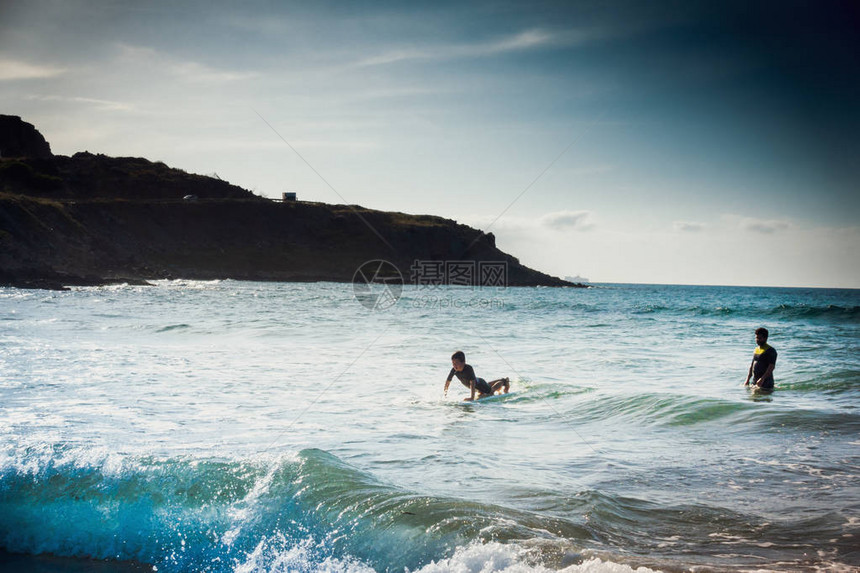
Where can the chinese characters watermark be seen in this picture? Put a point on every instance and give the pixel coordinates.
(431, 273)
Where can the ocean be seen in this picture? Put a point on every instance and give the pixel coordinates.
(230, 426)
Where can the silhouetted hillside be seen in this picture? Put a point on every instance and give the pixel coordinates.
(90, 219)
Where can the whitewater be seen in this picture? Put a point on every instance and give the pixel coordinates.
(230, 426)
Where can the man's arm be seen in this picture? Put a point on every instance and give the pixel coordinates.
(749, 374)
(766, 374)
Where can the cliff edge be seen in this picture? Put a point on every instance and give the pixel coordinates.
(93, 219)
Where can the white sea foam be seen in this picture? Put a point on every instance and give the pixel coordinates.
(242, 512)
(280, 555)
(188, 283)
(500, 558)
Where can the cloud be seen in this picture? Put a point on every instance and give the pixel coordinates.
(526, 40)
(732, 223)
(100, 104)
(191, 71)
(529, 226)
(567, 220)
(688, 226)
(18, 70)
(763, 226)
(196, 72)
(522, 41)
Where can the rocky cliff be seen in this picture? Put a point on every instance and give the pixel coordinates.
(21, 139)
(91, 219)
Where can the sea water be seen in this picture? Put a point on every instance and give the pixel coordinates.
(240, 426)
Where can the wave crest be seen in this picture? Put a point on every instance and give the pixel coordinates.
(299, 512)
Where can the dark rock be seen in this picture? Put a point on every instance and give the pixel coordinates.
(21, 139)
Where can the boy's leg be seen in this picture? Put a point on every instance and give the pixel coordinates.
(484, 388)
(501, 384)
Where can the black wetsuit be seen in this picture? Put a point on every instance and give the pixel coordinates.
(762, 358)
(466, 376)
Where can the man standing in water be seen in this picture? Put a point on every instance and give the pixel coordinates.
(466, 375)
(763, 362)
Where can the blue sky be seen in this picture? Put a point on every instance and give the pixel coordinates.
(668, 142)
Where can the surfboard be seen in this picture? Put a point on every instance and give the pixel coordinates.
(494, 398)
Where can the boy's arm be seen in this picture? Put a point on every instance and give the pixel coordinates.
(472, 388)
(448, 381)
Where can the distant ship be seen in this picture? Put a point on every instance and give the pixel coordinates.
(577, 280)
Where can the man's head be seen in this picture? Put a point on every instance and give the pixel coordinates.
(458, 360)
(761, 335)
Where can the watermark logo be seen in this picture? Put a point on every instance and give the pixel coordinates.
(377, 284)
(435, 302)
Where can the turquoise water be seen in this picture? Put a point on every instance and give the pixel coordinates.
(230, 426)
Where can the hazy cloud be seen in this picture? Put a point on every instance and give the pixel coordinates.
(766, 227)
(567, 220)
(506, 224)
(101, 104)
(186, 69)
(18, 70)
(688, 226)
(526, 40)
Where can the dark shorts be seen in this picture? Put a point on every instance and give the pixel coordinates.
(483, 387)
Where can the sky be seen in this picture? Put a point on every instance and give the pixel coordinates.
(651, 142)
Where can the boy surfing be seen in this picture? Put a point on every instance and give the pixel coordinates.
(478, 387)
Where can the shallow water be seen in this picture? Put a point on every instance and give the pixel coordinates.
(230, 426)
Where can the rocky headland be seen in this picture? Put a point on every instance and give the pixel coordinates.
(92, 219)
